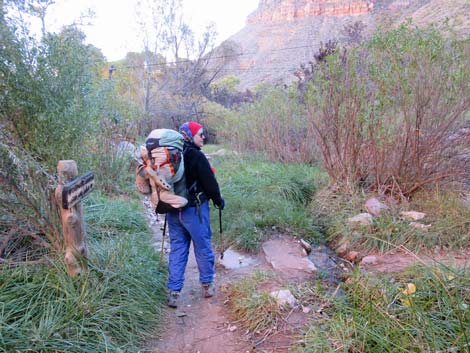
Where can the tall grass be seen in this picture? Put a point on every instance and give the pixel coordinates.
(263, 197)
(111, 308)
(381, 315)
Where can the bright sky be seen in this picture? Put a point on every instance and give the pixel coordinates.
(114, 28)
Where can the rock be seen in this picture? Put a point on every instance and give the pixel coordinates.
(352, 256)
(220, 152)
(374, 206)
(126, 149)
(418, 225)
(283, 297)
(286, 256)
(306, 246)
(363, 219)
(342, 246)
(369, 260)
(412, 215)
(290, 10)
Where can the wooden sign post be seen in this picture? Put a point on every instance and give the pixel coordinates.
(70, 191)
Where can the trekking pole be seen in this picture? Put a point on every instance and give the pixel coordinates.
(220, 233)
(163, 239)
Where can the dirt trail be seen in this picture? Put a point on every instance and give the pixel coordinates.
(199, 324)
(202, 325)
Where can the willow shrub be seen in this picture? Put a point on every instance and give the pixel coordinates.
(274, 125)
(389, 115)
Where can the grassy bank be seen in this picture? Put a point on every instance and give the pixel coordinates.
(422, 310)
(112, 308)
(262, 198)
(445, 226)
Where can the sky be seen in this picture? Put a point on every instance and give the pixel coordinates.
(114, 29)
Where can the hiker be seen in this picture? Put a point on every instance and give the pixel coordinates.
(192, 223)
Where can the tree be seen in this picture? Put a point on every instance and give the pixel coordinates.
(176, 87)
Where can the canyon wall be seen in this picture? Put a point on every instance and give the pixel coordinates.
(285, 10)
(280, 35)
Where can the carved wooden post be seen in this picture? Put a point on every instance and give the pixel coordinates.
(73, 228)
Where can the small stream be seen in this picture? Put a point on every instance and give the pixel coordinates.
(329, 265)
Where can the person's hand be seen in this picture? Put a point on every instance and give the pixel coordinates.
(221, 205)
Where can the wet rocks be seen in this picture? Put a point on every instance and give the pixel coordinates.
(286, 256)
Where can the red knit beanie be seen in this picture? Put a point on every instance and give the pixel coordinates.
(194, 127)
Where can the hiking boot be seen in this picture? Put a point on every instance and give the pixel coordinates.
(173, 299)
(208, 289)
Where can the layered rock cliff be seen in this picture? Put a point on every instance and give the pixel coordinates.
(285, 10)
(283, 34)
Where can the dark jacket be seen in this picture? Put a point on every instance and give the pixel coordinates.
(199, 175)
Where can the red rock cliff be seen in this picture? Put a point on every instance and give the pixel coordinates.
(273, 10)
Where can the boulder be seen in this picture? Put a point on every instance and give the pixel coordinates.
(285, 256)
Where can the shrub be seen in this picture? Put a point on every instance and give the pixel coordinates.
(389, 115)
(274, 125)
(29, 223)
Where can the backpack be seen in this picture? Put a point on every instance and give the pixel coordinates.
(162, 164)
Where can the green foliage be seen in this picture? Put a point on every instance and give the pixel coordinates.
(381, 315)
(28, 217)
(228, 83)
(113, 307)
(47, 96)
(261, 196)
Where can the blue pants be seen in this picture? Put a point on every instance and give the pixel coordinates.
(183, 227)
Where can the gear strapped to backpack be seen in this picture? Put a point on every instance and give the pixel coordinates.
(161, 170)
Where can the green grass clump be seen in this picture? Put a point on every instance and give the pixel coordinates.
(111, 308)
(262, 196)
(448, 215)
(105, 218)
(380, 315)
(254, 308)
